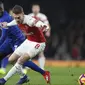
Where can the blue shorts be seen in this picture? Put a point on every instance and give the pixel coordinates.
(9, 46)
(5, 48)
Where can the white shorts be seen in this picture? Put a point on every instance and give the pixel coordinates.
(30, 47)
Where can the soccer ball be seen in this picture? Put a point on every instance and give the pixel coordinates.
(81, 79)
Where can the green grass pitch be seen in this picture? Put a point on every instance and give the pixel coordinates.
(59, 76)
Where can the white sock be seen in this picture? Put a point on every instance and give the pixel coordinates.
(41, 61)
(17, 68)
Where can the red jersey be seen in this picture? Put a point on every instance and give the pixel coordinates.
(34, 34)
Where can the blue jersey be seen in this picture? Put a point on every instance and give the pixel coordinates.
(12, 33)
(11, 36)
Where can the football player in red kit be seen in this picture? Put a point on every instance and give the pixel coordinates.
(33, 45)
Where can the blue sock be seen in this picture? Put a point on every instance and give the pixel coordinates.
(34, 67)
(0, 64)
(4, 62)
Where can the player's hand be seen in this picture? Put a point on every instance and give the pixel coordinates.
(45, 28)
(4, 24)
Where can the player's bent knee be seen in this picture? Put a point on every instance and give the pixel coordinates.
(10, 59)
(23, 58)
(13, 58)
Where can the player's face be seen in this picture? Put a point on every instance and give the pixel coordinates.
(19, 17)
(35, 9)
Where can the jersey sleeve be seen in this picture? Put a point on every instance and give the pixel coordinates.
(44, 19)
(33, 22)
(29, 20)
(12, 23)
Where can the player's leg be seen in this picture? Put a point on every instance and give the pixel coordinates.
(32, 49)
(19, 66)
(4, 64)
(11, 72)
(16, 68)
(1, 70)
(1, 55)
(25, 56)
(41, 60)
(35, 48)
(23, 59)
(4, 51)
(25, 68)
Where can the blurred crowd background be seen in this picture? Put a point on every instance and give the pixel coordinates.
(67, 20)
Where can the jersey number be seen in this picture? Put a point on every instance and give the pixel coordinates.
(37, 46)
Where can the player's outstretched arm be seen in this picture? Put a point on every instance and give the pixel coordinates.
(12, 23)
(34, 22)
(5, 24)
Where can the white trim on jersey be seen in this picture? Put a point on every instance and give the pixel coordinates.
(41, 16)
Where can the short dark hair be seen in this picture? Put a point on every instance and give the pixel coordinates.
(35, 4)
(17, 9)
